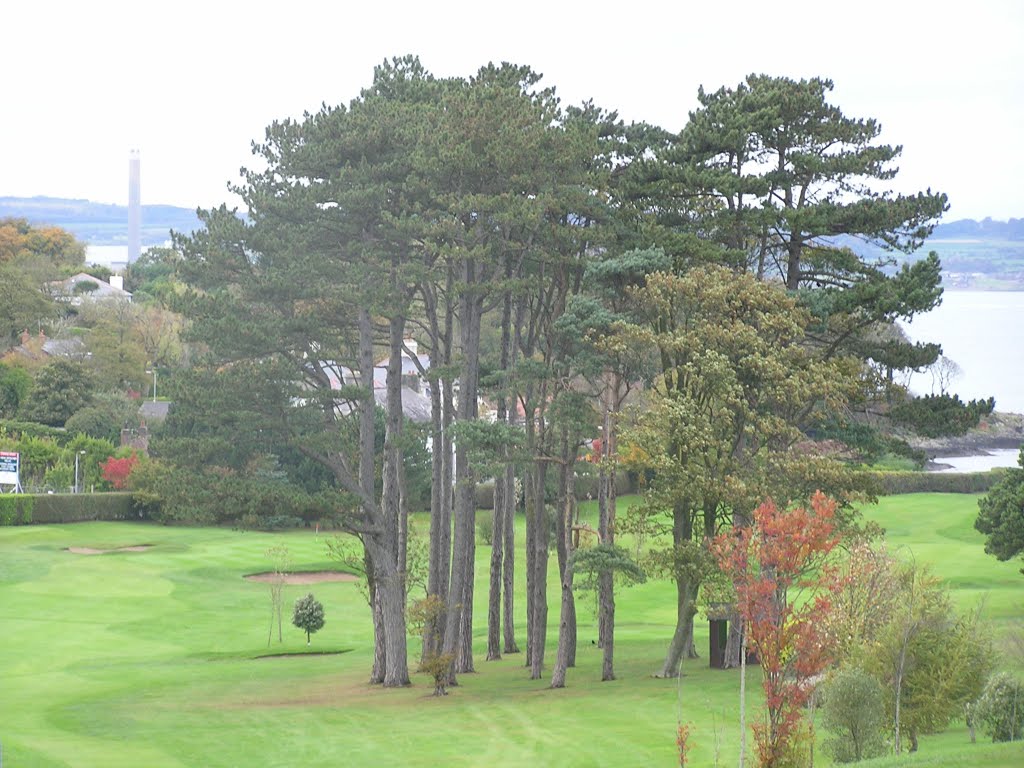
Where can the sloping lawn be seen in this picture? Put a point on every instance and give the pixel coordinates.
(151, 658)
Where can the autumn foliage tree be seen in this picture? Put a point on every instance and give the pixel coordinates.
(117, 471)
(783, 584)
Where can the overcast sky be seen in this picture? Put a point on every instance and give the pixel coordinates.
(192, 84)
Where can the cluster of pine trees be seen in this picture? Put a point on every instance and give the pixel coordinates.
(554, 261)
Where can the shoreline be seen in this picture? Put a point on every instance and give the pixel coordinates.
(999, 431)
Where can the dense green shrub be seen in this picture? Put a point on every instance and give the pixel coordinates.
(895, 483)
(941, 415)
(308, 615)
(485, 528)
(60, 389)
(1001, 513)
(27, 508)
(16, 509)
(14, 386)
(80, 507)
(1000, 710)
(867, 441)
(854, 710)
(15, 430)
(104, 418)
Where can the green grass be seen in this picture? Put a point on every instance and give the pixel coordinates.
(150, 659)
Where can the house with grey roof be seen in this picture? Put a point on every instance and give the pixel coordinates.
(85, 287)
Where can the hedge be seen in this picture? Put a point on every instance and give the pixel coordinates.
(32, 429)
(894, 483)
(25, 508)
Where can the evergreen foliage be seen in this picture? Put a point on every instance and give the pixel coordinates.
(941, 415)
(1001, 514)
(308, 615)
(60, 389)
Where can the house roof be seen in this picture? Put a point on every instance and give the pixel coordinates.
(154, 411)
(73, 348)
(104, 290)
(415, 405)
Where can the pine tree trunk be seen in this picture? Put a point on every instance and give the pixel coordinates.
(538, 589)
(390, 562)
(530, 494)
(508, 569)
(379, 650)
(497, 549)
(565, 656)
(606, 531)
(391, 589)
(441, 415)
(459, 623)
(440, 521)
(464, 652)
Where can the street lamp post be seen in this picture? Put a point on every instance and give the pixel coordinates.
(153, 371)
(77, 455)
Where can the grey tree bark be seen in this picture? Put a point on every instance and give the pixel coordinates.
(606, 498)
(686, 597)
(459, 620)
(565, 656)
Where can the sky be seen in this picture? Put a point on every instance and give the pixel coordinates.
(192, 84)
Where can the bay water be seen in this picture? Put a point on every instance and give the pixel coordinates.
(983, 333)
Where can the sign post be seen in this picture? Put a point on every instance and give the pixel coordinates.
(9, 465)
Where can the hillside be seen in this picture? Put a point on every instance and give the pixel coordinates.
(100, 223)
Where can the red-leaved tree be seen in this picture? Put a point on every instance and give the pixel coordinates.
(117, 471)
(783, 589)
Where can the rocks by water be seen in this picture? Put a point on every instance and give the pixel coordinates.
(996, 431)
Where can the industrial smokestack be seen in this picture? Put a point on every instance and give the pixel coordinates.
(134, 207)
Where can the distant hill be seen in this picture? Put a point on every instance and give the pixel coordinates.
(975, 254)
(984, 230)
(100, 223)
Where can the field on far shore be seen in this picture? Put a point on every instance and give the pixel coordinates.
(159, 657)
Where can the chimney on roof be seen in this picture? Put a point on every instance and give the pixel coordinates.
(117, 281)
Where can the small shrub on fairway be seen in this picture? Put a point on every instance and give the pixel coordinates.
(308, 615)
(1000, 710)
(854, 710)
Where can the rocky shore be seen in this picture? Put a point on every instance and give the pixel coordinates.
(999, 430)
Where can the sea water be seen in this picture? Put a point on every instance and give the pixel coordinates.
(983, 333)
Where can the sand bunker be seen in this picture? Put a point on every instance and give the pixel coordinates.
(91, 551)
(309, 577)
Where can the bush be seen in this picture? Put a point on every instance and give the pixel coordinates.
(20, 429)
(854, 710)
(895, 483)
(308, 615)
(1000, 710)
(16, 509)
(485, 528)
(941, 415)
(80, 507)
(869, 442)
